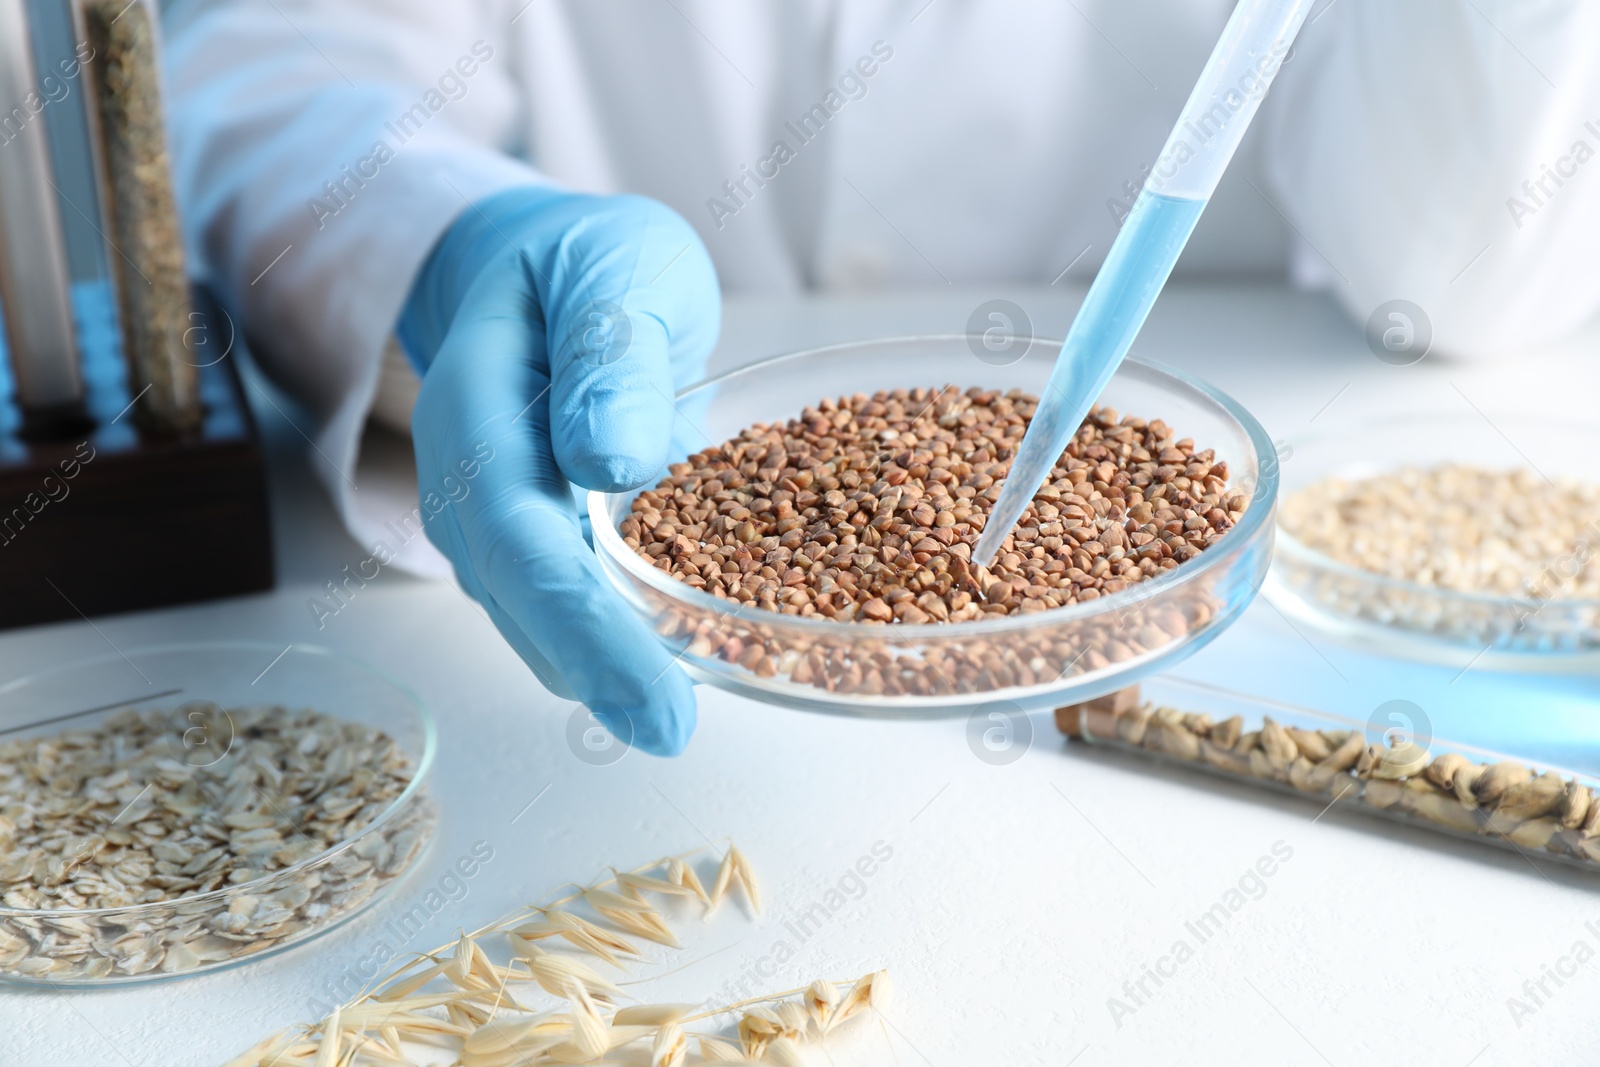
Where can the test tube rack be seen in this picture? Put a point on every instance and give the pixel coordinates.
(110, 502)
(116, 518)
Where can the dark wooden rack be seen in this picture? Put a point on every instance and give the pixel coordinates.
(143, 521)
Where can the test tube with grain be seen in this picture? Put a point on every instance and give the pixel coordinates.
(141, 212)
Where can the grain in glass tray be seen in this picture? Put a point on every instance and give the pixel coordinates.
(1030, 660)
(185, 808)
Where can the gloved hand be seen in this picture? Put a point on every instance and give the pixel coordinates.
(550, 327)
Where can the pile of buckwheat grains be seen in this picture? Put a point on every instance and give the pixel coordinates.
(866, 508)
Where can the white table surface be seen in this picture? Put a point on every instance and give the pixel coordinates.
(1019, 898)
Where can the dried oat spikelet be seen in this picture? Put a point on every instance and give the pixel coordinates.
(603, 900)
(407, 986)
(556, 973)
(747, 878)
(870, 992)
(880, 989)
(735, 868)
(719, 885)
(498, 1035)
(458, 969)
(758, 1026)
(416, 1027)
(328, 1047)
(652, 1014)
(531, 1047)
(785, 1052)
(589, 1030)
(391, 1041)
(796, 1020)
(680, 873)
(482, 969)
(572, 1052)
(365, 1049)
(822, 999)
(632, 915)
(486, 1027)
(639, 884)
(716, 1050)
(466, 1015)
(670, 1047)
(578, 932)
(752, 1045)
(381, 1013)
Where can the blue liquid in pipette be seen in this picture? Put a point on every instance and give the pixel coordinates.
(1123, 292)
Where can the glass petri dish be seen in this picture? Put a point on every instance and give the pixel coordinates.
(192, 696)
(1396, 617)
(1021, 662)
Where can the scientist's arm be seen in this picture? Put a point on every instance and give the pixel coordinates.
(1445, 153)
(320, 147)
(334, 157)
(549, 325)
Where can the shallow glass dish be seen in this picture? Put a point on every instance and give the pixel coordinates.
(232, 923)
(1026, 661)
(1402, 618)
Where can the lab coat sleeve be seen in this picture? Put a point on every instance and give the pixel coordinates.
(1443, 152)
(320, 147)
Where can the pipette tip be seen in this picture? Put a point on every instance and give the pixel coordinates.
(983, 553)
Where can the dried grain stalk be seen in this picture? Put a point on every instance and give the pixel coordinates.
(485, 1024)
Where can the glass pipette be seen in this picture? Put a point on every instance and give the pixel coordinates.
(1253, 46)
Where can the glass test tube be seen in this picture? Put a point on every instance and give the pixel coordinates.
(1376, 767)
(33, 261)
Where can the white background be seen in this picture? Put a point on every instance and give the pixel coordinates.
(1018, 898)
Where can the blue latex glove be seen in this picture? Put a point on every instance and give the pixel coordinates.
(550, 327)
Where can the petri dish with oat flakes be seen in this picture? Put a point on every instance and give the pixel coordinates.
(185, 808)
(1020, 661)
(1538, 617)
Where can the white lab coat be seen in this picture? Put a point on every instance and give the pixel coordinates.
(321, 146)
